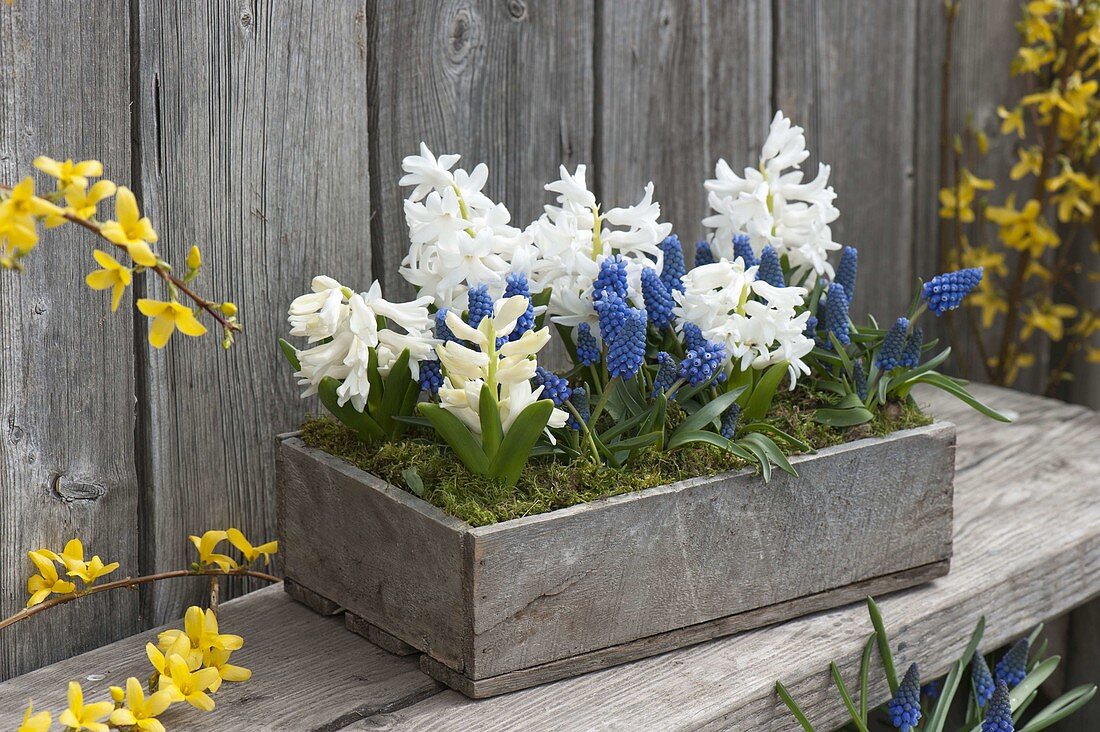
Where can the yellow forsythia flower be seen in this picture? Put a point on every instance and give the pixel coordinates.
(114, 276)
(46, 581)
(35, 722)
(131, 230)
(167, 317)
(252, 553)
(229, 309)
(1030, 162)
(1023, 229)
(81, 717)
(989, 300)
(18, 213)
(190, 686)
(73, 559)
(68, 172)
(141, 713)
(1011, 121)
(118, 695)
(1048, 318)
(206, 546)
(219, 660)
(83, 201)
(194, 258)
(179, 646)
(201, 631)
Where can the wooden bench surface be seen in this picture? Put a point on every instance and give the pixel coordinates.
(1027, 548)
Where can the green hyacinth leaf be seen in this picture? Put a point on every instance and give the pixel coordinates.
(291, 354)
(492, 434)
(763, 393)
(457, 436)
(518, 441)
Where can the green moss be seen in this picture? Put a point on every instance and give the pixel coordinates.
(546, 485)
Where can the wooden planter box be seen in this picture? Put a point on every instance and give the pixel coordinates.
(503, 607)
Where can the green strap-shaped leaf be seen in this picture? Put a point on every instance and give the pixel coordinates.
(771, 429)
(938, 718)
(395, 387)
(864, 673)
(760, 457)
(793, 706)
(843, 417)
(361, 422)
(457, 436)
(518, 441)
(1061, 708)
(883, 645)
(708, 413)
(764, 392)
(847, 699)
(377, 389)
(959, 392)
(772, 451)
(291, 354)
(492, 434)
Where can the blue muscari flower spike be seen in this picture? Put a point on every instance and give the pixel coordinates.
(703, 254)
(674, 269)
(836, 315)
(612, 278)
(743, 249)
(553, 386)
(1012, 668)
(480, 307)
(700, 364)
(910, 357)
(730, 419)
(946, 291)
(669, 369)
(904, 708)
(442, 330)
(893, 345)
(846, 271)
(588, 351)
(579, 400)
(516, 284)
(431, 377)
(998, 717)
(981, 679)
(931, 689)
(771, 271)
(811, 327)
(859, 376)
(693, 337)
(612, 313)
(626, 349)
(658, 300)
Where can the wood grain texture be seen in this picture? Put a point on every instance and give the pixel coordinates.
(844, 71)
(509, 84)
(66, 383)
(253, 146)
(308, 673)
(679, 86)
(1014, 483)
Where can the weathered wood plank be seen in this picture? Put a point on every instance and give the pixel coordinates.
(680, 85)
(845, 72)
(507, 84)
(66, 382)
(985, 42)
(1003, 503)
(308, 672)
(254, 146)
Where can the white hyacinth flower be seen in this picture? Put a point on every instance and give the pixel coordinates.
(772, 205)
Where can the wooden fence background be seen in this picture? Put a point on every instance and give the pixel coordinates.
(271, 134)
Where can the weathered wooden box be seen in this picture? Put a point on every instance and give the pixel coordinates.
(503, 607)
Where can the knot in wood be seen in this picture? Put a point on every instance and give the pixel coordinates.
(69, 491)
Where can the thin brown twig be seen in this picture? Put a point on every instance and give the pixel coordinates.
(131, 582)
(212, 308)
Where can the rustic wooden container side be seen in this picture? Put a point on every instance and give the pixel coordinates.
(503, 607)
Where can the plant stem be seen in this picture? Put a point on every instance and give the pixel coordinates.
(212, 308)
(131, 582)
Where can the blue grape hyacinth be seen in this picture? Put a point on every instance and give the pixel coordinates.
(893, 345)
(588, 351)
(859, 379)
(931, 689)
(579, 400)
(811, 327)
(836, 314)
(553, 386)
(516, 284)
(674, 268)
(846, 271)
(730, 418)
(910, 357)
(771, 270)
(693, 337)
(667, 372)
(611, 279)
(946, 291)
(1012, 668)
(626, 349)
(658, 299)
(981, 679)
(431, 377)
(611, 311)
(743, 249)
(904, 708)
(480, 307)
(703, 253)
(442, 331)
(700, 364)
(998, 716)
